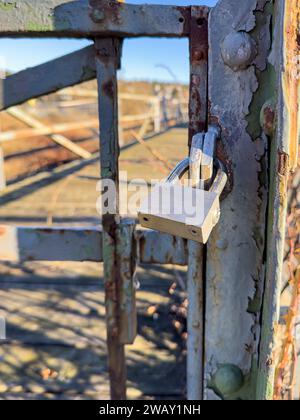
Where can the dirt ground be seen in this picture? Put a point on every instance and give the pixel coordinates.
(55, 344)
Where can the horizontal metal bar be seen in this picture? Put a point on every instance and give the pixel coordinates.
(47, 78)
(82, 244)
(94, 18)
(49, 244)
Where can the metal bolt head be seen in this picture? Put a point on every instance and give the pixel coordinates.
(238, 50)
(97, 15)
(222, 244)
(228, 379)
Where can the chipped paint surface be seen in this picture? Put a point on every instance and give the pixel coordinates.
(268, 116)
(291, 77)
(283, 158)
(235, 273)
(127, 250)
(161, 248)
(108, 53)
(198, 71)
(59, 18)
(198, 108)
(79, 244)
(7, 5)
(48, 77)
(49, 244)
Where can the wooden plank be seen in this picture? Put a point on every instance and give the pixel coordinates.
(235, 252)
(47, 78)
(87, 93)
(138, 117)
(57, 138)
(61, 18)
(284, 138)
(108, 53)
(197, 123)
(27, 133)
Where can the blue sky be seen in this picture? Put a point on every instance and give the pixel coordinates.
(141, 57)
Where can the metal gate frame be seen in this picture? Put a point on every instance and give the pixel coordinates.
(229, 348)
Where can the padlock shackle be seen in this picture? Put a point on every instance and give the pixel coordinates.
(220, 179)
(180, 169)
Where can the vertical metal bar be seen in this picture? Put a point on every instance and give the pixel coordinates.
(283, 159)
(195, 322)
(127, 250)
(198, 71)
(2, 171)
(107, 63)
(197, 123)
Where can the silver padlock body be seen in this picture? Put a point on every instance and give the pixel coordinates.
(182, 211)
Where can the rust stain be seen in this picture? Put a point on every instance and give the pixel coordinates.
(283, 171)
(269, 362)
(198, 63)
(108, 88)
(3, 230)
(291, 76)
(185, 18)
(222, 155)
(224, 158)
(268, 118)
(110, 11)
(283, 164)
(109, 225)
(48, 231)
(113, 11)
(102, 56)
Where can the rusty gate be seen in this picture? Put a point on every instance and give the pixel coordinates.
(244, 78)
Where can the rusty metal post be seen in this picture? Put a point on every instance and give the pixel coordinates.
(198, 70)
(254, 97)
(284, 133)
(197, 123)
(127, 249)
(107, 63)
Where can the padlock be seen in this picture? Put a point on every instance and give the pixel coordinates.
(184, 211)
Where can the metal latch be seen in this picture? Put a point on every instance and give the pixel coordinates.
(189, 211)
